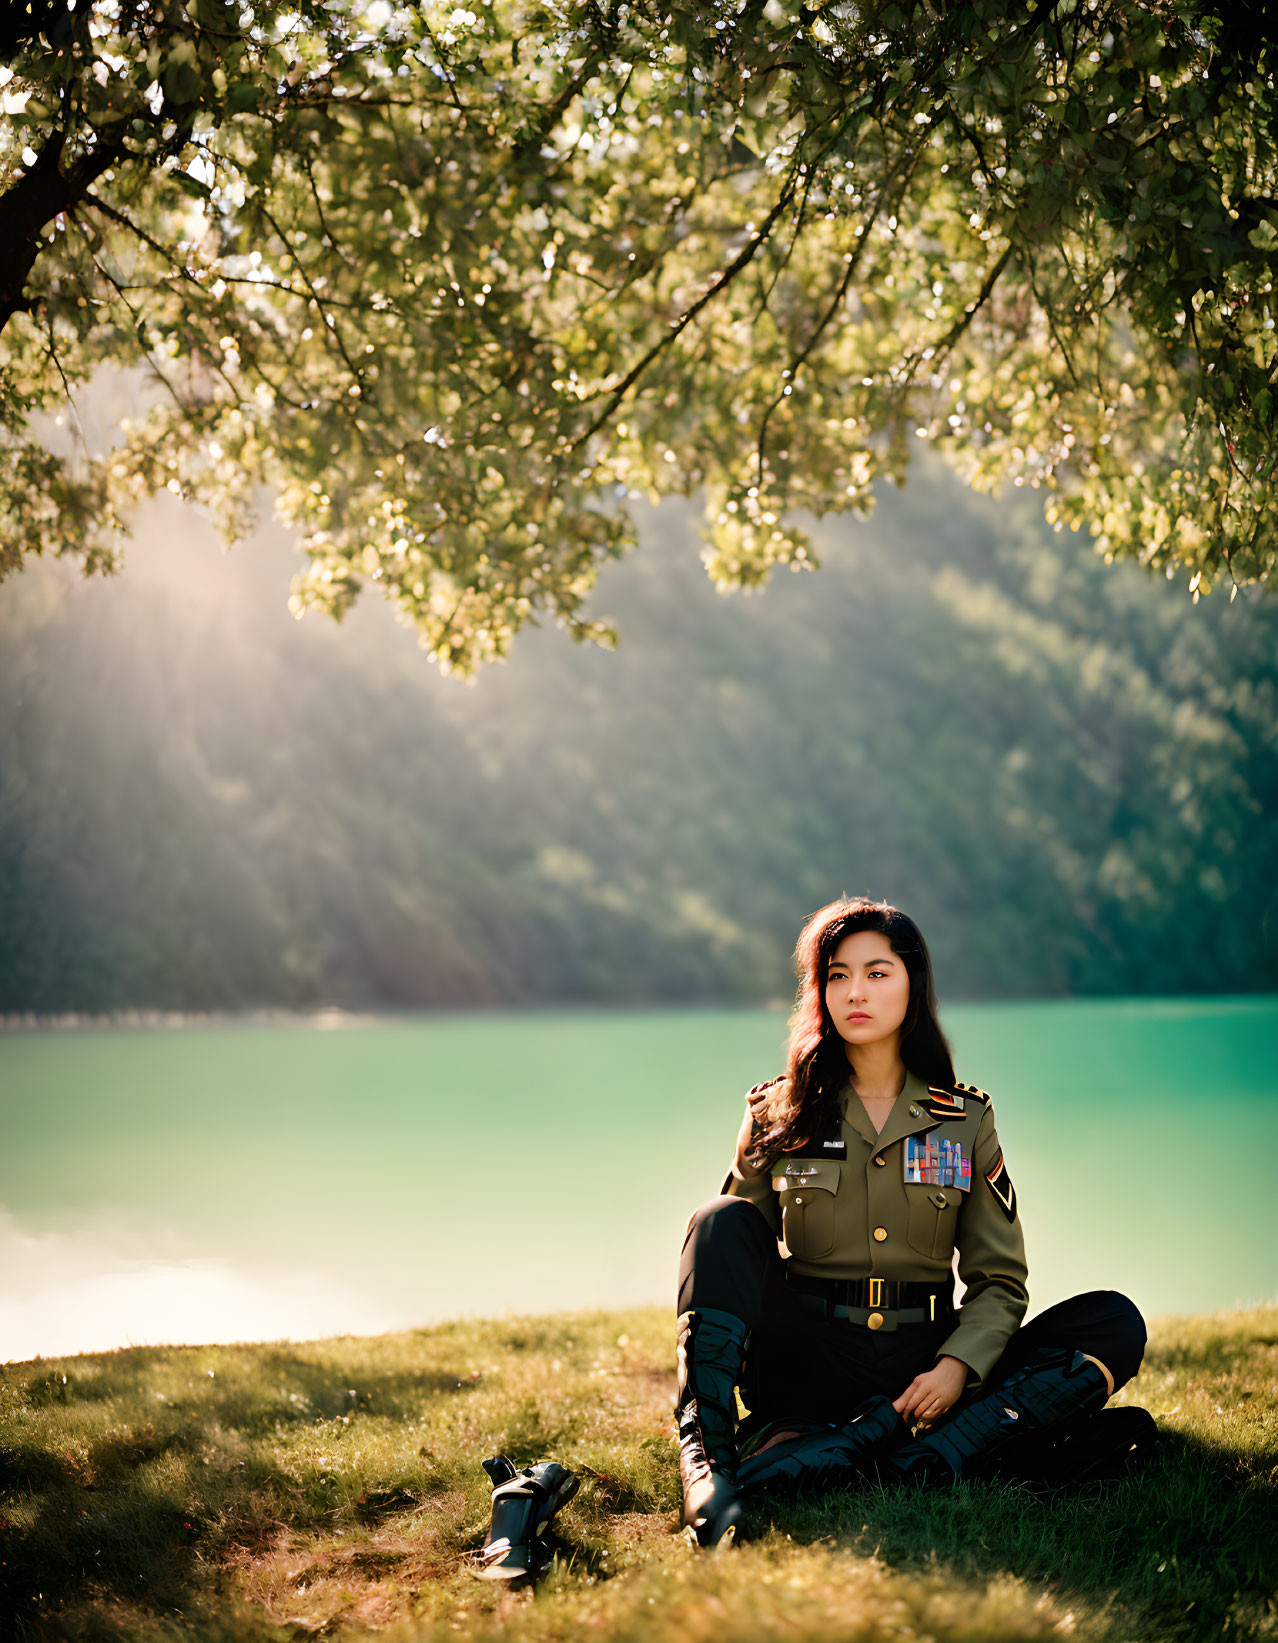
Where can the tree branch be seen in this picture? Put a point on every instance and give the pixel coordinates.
(982, 297)
(38, 196)
(833, 307)
(740, 261)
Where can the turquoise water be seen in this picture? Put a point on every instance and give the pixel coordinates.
(246, 1181)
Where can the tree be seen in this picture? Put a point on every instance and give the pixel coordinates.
(456, 280)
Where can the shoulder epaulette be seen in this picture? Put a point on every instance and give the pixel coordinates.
(943, 1103)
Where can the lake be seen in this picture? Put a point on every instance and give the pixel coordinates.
(266, 1180)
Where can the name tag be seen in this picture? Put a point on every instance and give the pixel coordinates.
(818, 1149)
(933, 1162)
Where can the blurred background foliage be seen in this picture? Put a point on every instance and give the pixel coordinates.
(1067, 773)
(454, 280)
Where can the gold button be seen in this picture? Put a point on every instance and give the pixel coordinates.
(797, 1199)
(880, 1233)
(915, 1113)
(880, 1160)
(874, 1321)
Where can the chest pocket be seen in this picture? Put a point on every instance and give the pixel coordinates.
(933, 1220)
(806, 1189)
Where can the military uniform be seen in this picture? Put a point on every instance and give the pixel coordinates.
(895, 1204)
(844, 1276)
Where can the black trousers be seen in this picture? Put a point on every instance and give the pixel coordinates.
(801, 1366)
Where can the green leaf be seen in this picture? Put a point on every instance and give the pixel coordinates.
(243, 96)
(191, 185)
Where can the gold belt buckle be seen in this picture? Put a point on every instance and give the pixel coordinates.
(876, 1292)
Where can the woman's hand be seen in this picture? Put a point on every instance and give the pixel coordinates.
(930, 1395)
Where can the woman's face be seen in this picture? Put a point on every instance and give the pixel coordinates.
(868, 989)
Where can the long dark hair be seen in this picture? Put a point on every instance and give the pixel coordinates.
(806, 1101)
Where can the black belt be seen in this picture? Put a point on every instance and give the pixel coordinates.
(839, 1296)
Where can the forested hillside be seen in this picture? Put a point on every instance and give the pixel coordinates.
(1065, 771)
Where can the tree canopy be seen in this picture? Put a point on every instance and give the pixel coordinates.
(455, 281)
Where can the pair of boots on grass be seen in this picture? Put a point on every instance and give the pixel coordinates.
(1043, 1424)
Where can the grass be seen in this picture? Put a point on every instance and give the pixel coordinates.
(276, 1492)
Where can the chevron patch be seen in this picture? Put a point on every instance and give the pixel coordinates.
(971, 1091)
(1000, 1184)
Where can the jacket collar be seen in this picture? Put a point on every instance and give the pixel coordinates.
(909, 1115)
(857, 1115)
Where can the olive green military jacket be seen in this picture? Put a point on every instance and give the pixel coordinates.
(899, 1203)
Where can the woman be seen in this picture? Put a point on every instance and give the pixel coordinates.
(820, 1279)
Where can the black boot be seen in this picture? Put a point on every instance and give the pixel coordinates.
(523, 1505)
(823, 1456)
(1053, 1385)
(711, 1351)
(1093, 1446)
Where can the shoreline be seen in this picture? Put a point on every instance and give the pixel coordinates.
(332, 1017)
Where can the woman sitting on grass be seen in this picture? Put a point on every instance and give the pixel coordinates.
(820, 1280)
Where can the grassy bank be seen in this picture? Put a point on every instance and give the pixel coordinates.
(276, 1491)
